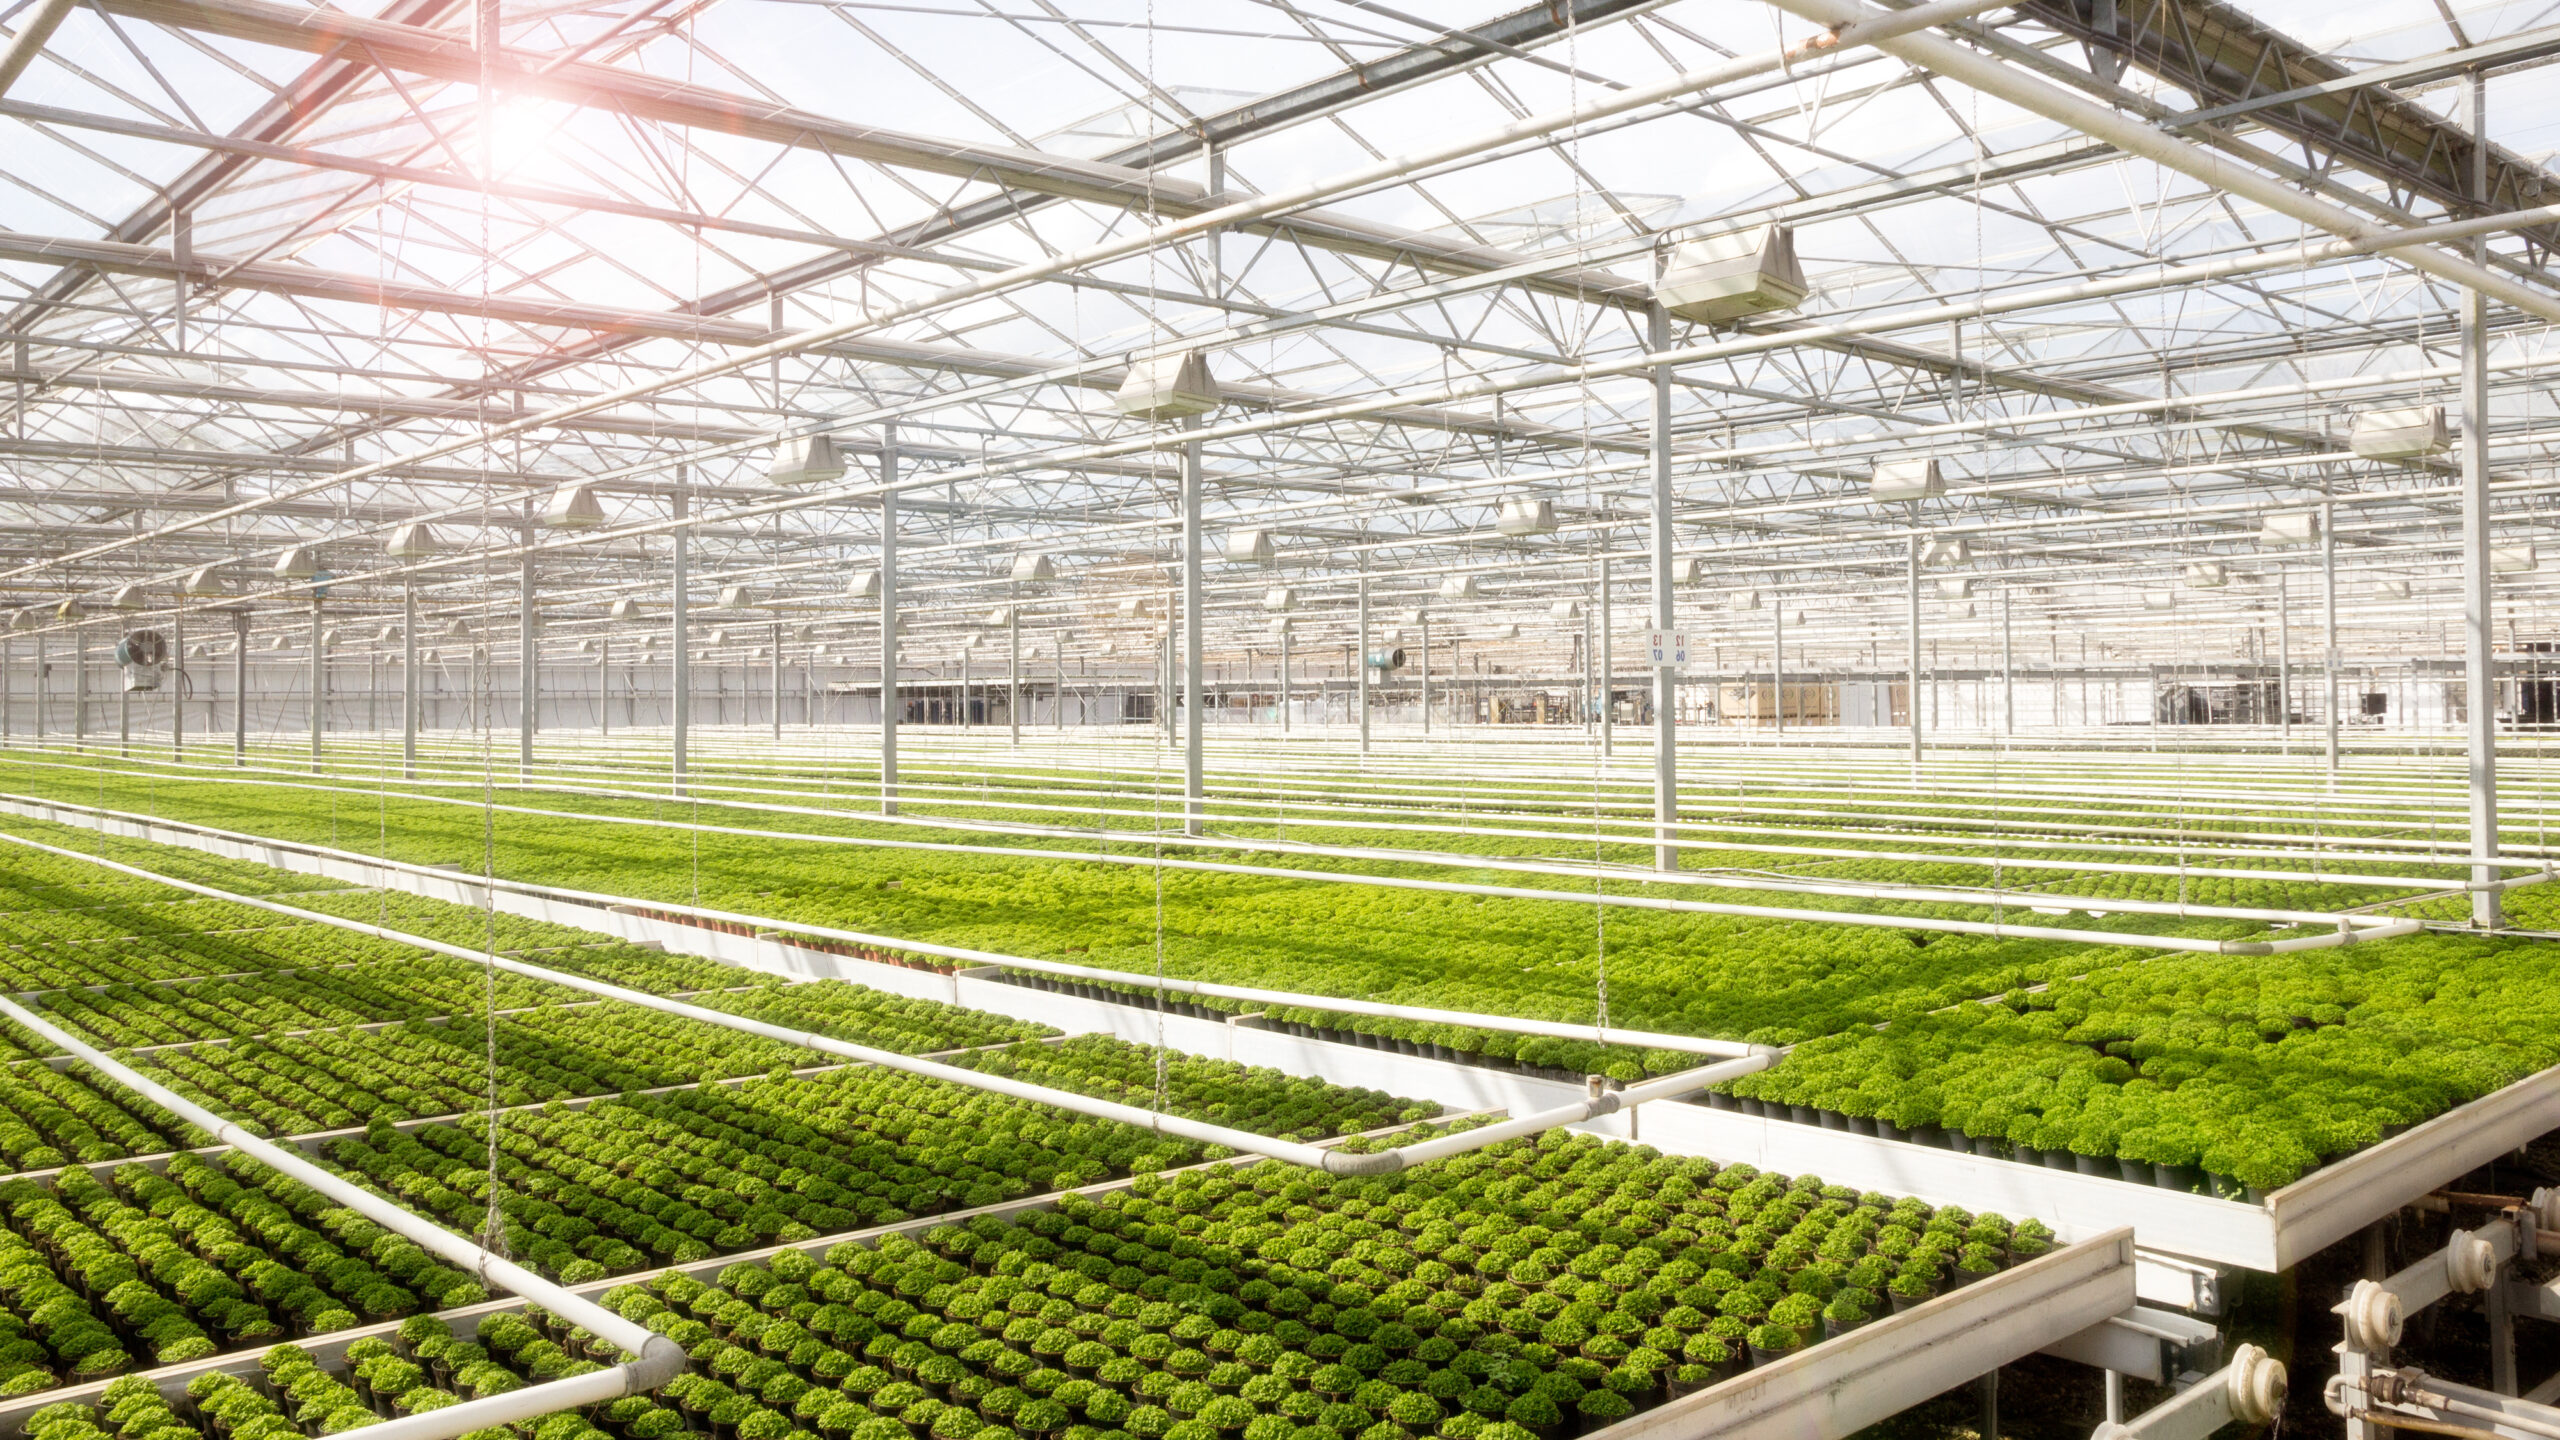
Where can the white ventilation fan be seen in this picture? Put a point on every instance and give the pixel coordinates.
(129, 597)
(1728, 277)
(297, 562)
(1001, 615)
(1565, 610)
(1279, 599)
(625, 608)
(412, 541)
(2159, 599)
(1911, 479)
(1135, 608)
(209, 580)
(1526, 516)
(2207, 575)
(573, 507)
(2399, 434)
(1946, 554)
(2391, 589)
(865, 585)
(68, 610)
(2287, 528)
(1458, 587)
(1249, 547)
(1167, 386)
(1743, 600)
(1956, 587)
(1031, 567)
(805, 460)
(2513, 559)
(1691, 571)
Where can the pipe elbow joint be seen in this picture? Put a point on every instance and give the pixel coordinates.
(1385, 1162)
(661, 1361)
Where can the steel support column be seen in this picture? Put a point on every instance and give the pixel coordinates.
(1013, 675)
(1426, 672)
(680, 635)
(408, 681)
(2008, 671)
(319, 682)
(1192, 629)
(2284, 664)
(1911, 595)
(1284, 677)
(2480, 679)
(889, 623)
(1778, 658)
(2329, 629)
(1360, 660)
(239, 687)
(773, 681)
(1666, 678)
(1608, 668)
(528, 653)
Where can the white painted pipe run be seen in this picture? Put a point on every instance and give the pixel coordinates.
(542, 1291)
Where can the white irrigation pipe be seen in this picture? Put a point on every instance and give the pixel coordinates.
(1760, 1057)
(660, 1359)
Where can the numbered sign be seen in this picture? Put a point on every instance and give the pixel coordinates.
(1665, 648)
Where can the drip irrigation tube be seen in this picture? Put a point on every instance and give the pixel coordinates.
(1289, 1151)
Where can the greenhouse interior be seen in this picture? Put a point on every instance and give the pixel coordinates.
(688, 698)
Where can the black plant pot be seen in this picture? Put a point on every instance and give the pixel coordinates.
(2185, 1179)
(1866, 1125)
(1718, 1100)
(1760, 1357)
(1802, 1115)
(2064, 1160)
(1831, 1120)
